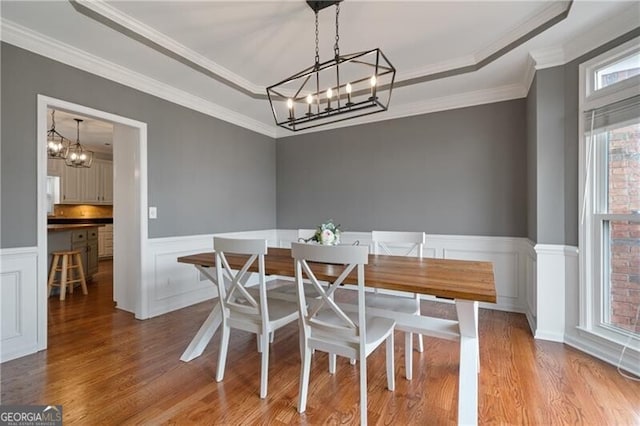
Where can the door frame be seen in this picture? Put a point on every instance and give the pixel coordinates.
(43, 104)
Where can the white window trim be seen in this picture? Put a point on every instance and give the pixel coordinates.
(590, 268)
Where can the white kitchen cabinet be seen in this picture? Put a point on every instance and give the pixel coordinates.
(105, 187)
(91, 180)
(72, 185)
(105, 241)
(93, 185)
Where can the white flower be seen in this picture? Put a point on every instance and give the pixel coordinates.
(327, 237)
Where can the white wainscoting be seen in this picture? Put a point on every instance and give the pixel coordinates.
(531, 284)
(174, 285)
(18, 302)
(556, 268)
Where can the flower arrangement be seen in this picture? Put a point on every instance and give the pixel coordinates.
(327, 234)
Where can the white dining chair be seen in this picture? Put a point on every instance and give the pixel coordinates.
(326, 327)
(246, 308)
(402, 244)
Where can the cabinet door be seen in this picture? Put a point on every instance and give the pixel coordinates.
(72, 185)
(101, 243)
(91, 180)
(92, 257)
(82, 248)
(106, 182)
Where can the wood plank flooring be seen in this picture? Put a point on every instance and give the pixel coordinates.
(105, 367)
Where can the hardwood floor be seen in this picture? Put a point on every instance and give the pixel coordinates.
(105, 367)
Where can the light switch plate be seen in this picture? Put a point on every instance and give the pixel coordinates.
(153, 212)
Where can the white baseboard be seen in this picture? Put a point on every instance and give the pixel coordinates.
(604, 349)
(19, 297)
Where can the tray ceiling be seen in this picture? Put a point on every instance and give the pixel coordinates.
(221, 54)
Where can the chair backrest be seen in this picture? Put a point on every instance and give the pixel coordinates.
(231, 283)
(346, 259)
(405, 243)
(305, 234)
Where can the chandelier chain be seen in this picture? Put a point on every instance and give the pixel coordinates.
(336, 48)
(317, 42)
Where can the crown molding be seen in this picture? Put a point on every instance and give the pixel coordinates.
(548, 14)
(438, 68)
(40, 44)
(547, 58)
(444, 103)
(583, 43)
(608, 29)
(105, 11)
(529, 74)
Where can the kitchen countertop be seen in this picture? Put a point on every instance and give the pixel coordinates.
(78, 220)
(72, 226)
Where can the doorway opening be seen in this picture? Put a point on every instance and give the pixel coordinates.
(128, 199)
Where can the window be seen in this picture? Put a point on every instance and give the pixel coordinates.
(613, 73)
(610, 170)
(617, 225)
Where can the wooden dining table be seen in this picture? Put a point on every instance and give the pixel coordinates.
(465, 282)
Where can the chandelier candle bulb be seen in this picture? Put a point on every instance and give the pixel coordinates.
(348, 89)
(290, 106)
(374, 81)
(329, 95)
(309, 102)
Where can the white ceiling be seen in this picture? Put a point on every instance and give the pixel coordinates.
(253, 44)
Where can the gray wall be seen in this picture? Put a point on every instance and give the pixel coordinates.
(453, 172)
(550, 156)
(552, 109)
(532, 140)
(205, 175)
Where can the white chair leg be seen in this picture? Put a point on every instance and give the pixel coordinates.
(332, 363)
(272, 336)
(305, 367)
(222, 357)
(259, 343)
(391, 381)
(363, 387)
(408, 355)
(264, 373)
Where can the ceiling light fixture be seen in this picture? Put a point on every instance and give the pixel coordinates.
(342, 88)
(57, 145)
(78, 156)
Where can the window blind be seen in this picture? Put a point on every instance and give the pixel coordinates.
(612, 115)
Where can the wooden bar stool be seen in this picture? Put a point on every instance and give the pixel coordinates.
(69, 264)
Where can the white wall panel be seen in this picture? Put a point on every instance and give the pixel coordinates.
(18, 294)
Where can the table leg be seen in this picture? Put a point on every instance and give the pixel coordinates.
(207, 329)
(469, 362)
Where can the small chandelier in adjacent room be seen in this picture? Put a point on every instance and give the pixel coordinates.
(57, 145)
(344, 87)
(78, 156)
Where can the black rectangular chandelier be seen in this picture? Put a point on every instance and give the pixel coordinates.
(342, 88)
